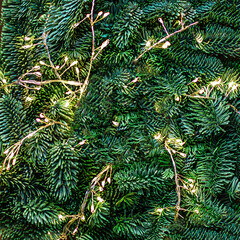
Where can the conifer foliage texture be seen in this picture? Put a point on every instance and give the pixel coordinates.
(182, 97)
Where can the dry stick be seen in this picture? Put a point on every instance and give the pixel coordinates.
(178, 189)
(94, 182)
(16, 147)
(82, 89)
(73, 83)
(51, 63)
(164, 39)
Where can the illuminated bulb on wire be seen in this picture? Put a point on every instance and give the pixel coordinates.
(100, 199)
(104, 44)
(106, 14)
(160, 210)
(60, 217)
(134, 80)
(14, 161)
(100, 189)
(160, 20)
(66, 59)
(148, 43)
(103, 183)
(115, 123)
(74, 231)
(201, 91)
(109, 180)
(41, 115)
(157, 136)
(38, 74)
(83, 218)
(42, 62)
(77, 70)
(190, 180)
(30, 135)
(11, 156)
(183, 155)
(36, 67)
(46, 120)
(191, 185)
(38, 120)
(82, 142)
(6, 151)
(92, 208)
(29, 99)
(27, 38)
(166, 44)
(27, 46)
(196, 211)
(73, 63)
(177, 99)
(216, 82)
(193, 191)
(66, 104)
(100, 13)
(8, 167)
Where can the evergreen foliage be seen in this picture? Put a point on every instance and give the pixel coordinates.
(184, 96)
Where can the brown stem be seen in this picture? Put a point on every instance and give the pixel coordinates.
(164, 39)
(178, 189)
(85, 84)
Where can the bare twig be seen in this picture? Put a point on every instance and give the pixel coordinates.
(178, 189)
(85, 84)
(81, 215)
(13, 150)
(165, 38)
(161, 21)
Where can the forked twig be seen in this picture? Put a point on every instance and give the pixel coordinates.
(165, 38)
(178, 187)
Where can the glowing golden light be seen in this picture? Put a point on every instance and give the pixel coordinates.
(157, 136)
(166, 44)
(160, 210)
(148, 43)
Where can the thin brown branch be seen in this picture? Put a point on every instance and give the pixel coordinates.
(13, 150)
(85, 84)
(73, 83)
(81, 215)
(178, 187)
(49, 56)
(165, 38)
